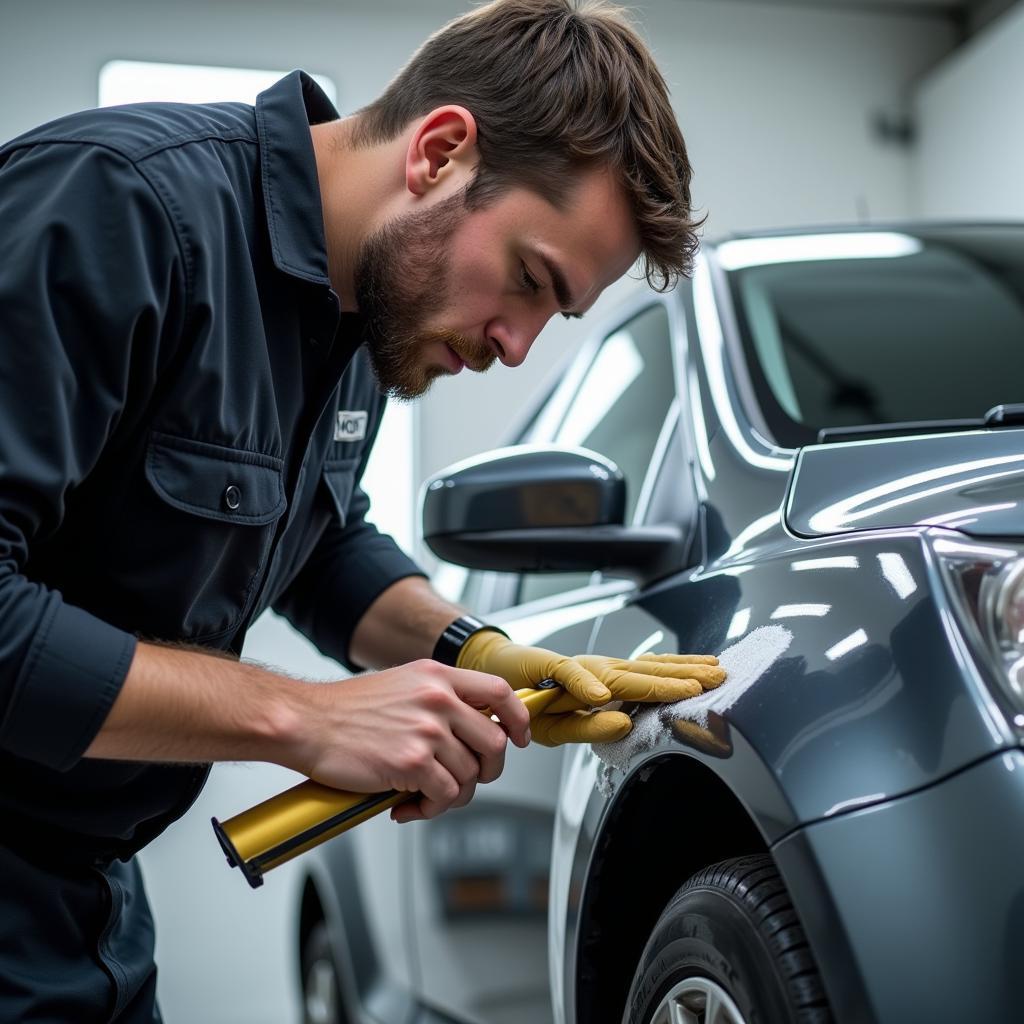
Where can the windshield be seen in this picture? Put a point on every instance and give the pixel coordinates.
(880, 326)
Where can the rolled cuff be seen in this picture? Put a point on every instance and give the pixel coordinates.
(74, 671)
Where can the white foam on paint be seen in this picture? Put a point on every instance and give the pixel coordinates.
(744, 662)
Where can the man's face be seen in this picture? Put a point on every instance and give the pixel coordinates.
(445, 287)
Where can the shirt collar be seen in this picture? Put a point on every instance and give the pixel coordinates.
(291, 188)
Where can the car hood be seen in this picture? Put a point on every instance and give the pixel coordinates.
(972, 482)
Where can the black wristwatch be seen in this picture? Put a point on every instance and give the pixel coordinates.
(454, 638)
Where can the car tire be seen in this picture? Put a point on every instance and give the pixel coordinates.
(730, 942)
(321, 990)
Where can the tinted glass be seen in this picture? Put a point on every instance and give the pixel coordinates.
(880, 327)
(618, 411)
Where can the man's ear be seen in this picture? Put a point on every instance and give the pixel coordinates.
(443, 146)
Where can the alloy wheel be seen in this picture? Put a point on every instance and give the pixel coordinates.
(697, 1001)
(321, 993)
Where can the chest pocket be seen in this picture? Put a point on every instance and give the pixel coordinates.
(216, 483)
(210, 513)
(339, 477)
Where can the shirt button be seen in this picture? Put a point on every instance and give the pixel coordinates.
(232, 497)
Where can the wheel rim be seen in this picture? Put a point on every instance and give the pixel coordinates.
(321, 994)
(697, 1001)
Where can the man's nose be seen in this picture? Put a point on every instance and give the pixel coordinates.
(512, 343)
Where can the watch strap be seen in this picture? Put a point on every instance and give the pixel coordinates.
(455, 635)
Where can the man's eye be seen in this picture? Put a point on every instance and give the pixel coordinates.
(528, 282)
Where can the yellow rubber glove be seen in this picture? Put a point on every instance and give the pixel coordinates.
(566, 720)
(592, 680)
(651, 678)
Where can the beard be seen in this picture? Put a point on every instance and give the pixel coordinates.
(402, 279)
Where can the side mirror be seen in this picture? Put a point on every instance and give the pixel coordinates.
(541, 509)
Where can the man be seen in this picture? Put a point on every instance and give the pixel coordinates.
(193, 300)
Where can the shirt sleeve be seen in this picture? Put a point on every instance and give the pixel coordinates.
(351, 566)
(91, 281)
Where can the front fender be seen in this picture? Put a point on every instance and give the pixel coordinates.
(873, 697)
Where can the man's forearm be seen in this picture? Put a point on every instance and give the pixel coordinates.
(182, 705)
(403, 624)
(414, 728)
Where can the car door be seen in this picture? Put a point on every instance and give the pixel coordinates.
(479, 875)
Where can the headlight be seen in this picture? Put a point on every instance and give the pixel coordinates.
(1002, 610)
(986, 582)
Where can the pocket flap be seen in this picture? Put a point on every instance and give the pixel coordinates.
(216, 482)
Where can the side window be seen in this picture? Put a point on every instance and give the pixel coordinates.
(619, 411)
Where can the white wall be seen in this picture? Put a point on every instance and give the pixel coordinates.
(969, 161)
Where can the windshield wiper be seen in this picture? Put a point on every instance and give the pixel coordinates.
(997, 416)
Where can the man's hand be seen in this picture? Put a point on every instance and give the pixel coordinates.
(414, 728)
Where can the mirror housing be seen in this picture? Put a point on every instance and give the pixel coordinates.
(536, 508)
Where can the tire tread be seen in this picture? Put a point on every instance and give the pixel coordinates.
(754, 883)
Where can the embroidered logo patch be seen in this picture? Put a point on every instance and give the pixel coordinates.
(351, 426)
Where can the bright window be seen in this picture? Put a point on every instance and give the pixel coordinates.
(388, 479)
(136, 81)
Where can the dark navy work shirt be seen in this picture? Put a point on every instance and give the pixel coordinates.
(184, 417)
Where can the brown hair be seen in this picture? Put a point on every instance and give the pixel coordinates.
(556, 87)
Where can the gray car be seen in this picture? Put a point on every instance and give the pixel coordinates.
(807, 459)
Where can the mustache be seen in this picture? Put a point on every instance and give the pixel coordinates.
(477, 355)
